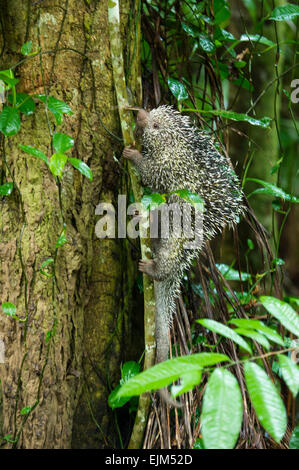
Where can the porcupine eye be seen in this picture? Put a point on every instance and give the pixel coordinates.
(155, 125)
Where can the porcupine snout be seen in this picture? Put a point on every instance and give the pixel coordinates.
(142, 117)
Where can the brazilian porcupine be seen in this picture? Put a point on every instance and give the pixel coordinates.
(178, 156)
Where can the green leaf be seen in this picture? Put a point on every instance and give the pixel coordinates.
(116, 401)
(177, 89)
(192, 198)
(206, 43)
(188, 381)
(24, 103)
(223, 35)
(8, 77)
(26, 410)
(263, 122)
(224, 331)
(166, 372)
(287, 316)
(191, 30)
(128, 370)
(198, 444)
(57, 107)
(240, 64)
(256, 38)
(271, 334)
(62, 239)
(258, 337)
(152, 201)
(9, 121)
(62, 142)
(57, 163)
(272, 190)
(285, 12)
(44, 264)
(35, 152)
(9, 309)
(232, 274)
(26, 48)
(294, 441)
(290, 373)
(82, 167)
(292, 300)
(222, 411)
(244, 83)
(221, 11)
(6, 189)
(266, 400)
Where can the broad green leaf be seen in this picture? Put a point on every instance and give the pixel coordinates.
(206, 43)
(177, 89)
(116, 401)
(271, 334)
(292, 300)
(8, 77)
(263, 122)
(57, 163)
(294, 441)
(244, 83)
(82, 167)
(287, 316)
(285, 12)
(9, 121)
(62, 142)
(272, 190)
(232, 274)
(6, 189)
(224, 331)
(222, 411)
(191, 30)
(256, 38)
(198, 444)
(128, 370)
(290, 373)
(24, 103)
(166, 372)
(188, 381)
(258, 337)
(223, 35)
(35, 152)
(26, 48)
(9, 309)
(240, 64)
(57, 107)
(266, 400)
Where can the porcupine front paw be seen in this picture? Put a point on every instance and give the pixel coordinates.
(147, 267)
(132, 154)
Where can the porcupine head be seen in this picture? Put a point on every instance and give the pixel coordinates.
(177, 156)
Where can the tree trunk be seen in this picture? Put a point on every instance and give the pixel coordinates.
(88, 297)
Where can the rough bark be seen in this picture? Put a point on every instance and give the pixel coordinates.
(93, 276)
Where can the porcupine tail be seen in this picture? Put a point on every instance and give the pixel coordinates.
(165, 295)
